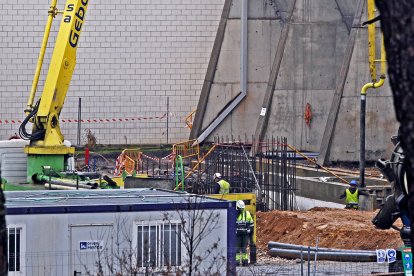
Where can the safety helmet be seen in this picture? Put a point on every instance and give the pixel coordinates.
(217, 175)
(240, 204)
(353, 182)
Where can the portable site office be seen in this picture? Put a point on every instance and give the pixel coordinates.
(133, 231)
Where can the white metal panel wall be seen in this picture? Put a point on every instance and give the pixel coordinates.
(51, 237)
(13, 161)
(132, 56)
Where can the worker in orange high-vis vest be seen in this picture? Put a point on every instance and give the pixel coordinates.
(222, 186)
(244, 230)
(352, 194)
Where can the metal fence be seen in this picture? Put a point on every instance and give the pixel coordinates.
(66, 263)
(269, 172)
(318, 268)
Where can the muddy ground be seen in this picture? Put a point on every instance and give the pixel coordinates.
(333, 228)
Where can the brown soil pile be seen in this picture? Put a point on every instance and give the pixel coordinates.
(334, 228)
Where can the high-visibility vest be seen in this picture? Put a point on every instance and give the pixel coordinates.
(224, 187)
(245, 216)
(351, 197)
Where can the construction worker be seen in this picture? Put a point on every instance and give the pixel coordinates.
(352, 194)
(222, 186)
(244, 230)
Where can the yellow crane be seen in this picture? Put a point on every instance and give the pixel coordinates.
(46, 146)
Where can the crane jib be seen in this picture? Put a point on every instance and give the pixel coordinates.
(77, 25)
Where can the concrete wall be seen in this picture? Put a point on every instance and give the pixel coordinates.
(132, 56)
(309, 73)
(326, 193)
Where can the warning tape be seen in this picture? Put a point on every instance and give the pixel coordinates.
(168, 157)
(10, 121)
(112, 120)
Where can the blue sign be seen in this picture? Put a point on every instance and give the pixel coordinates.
(91, 245)
(407, 257)
(381, 255)
(391, 255)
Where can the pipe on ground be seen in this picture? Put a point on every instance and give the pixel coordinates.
(72, 185)
(60, 187)
(337, 256)
(280, 245)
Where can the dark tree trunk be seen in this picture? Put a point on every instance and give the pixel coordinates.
(397, 23)
(3, 236)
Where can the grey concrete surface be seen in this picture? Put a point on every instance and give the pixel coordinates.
(309, 73)
(315, 188)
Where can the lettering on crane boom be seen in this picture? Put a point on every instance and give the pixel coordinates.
(79, 15)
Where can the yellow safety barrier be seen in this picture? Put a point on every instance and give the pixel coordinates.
(185, 149)
(129, 165)
(129, 160)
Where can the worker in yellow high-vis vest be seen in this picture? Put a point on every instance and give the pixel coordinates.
(352, 194)
(244, 232)
(222, 186)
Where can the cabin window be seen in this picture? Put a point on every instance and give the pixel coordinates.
(158, 245)
(15, 244)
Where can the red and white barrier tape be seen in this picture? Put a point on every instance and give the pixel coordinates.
(168, 157)
(118, 166)
(112, 120)
(10, 121)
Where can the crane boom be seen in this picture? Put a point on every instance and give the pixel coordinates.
(46, 139)
(60, 71)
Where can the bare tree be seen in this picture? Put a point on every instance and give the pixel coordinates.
(198, 224)
(397, 24)
(193, 228)
(120, 257)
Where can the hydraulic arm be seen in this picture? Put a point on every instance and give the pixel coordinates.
(46, 140)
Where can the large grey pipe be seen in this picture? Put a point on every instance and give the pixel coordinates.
(73, 185)
(362, 142)
(368, 256)
(280, 245)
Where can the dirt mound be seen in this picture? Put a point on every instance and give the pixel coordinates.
(334, 228)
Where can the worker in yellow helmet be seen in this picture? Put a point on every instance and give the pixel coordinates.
(222, 186)
(244, 230)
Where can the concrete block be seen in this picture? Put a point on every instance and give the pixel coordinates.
(316, 11)
(287, 113)
(312, 57)
(380, 126)
(259, 9)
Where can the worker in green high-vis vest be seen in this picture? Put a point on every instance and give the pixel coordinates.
(352, 194)
(222, 186)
